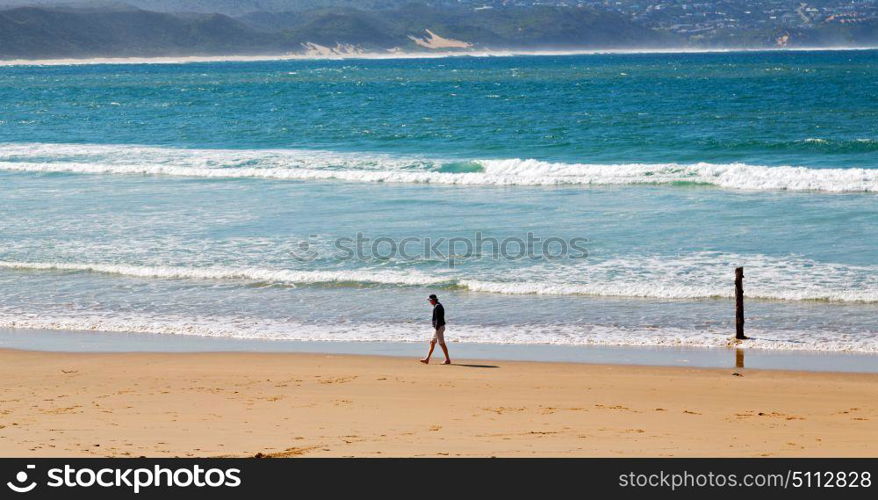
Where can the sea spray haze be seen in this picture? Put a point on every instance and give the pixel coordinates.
(174, 198)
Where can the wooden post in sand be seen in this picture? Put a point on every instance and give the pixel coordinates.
(739, 304)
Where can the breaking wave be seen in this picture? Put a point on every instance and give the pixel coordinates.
(696, 276)
(305, 165)
(580, 334)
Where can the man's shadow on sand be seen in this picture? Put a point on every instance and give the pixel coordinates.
(474, 366)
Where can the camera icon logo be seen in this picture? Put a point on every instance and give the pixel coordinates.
(20, 479)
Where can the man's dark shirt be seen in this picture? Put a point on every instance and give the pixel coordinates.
(438, 315)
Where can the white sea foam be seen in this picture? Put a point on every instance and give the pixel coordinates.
(280, 276)
(278, 329)
(304, 165)
(733, 175)
(669, 291)
(693, 276)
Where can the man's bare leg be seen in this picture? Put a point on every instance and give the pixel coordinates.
(445, 350)
(432, 346)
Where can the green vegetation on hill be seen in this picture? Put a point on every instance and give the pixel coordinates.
(36, 32)
(30, 32)
(539, 27)
(119, 30)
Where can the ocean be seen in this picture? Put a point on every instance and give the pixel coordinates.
(600, 199)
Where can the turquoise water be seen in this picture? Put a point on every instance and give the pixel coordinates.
(219, 199)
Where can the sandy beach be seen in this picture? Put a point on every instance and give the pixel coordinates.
(308, 405)
(437, 53)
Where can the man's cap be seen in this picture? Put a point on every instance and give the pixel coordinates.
(433, 297)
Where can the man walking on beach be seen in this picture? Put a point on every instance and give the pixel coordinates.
(439, 330)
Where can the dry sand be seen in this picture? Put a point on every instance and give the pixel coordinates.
(435, 42)
(231, 404)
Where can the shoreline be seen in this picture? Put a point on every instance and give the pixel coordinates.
(304, 405)
(69, 342)
(72, 61)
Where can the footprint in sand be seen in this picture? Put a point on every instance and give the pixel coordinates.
(289, 452)
(338, 380)
(615, 407)
(504, 409)
(59, 411)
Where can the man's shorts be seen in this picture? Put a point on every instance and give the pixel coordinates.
(439, 335)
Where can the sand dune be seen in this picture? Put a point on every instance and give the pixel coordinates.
(434, 41)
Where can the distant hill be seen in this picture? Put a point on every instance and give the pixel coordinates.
(533, 27)
(30, 32)
(112, 29)
(227, 7)
(122, 31)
